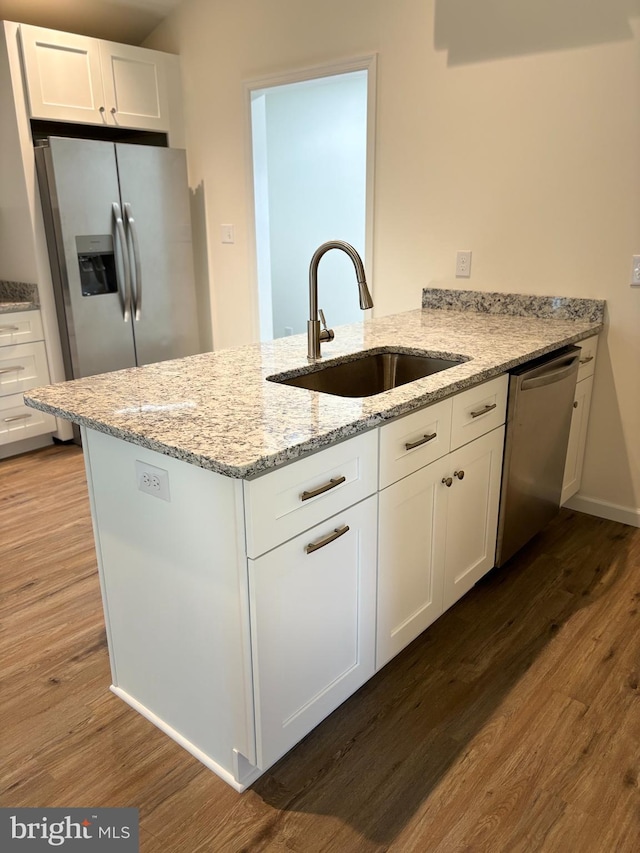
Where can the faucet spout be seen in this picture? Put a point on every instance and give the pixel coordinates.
(314, 334)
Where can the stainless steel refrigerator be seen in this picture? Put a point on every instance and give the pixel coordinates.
(118, 225)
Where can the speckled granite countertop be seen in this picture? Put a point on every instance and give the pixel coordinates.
(18, 296)
(218, 411)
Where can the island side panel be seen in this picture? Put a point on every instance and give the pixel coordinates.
(175, 592)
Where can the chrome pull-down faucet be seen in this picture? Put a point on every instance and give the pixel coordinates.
(315, 335)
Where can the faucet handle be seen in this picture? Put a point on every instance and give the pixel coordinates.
(325, 334)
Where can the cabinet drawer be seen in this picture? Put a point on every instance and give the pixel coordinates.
(588, 351)
(20, 327)
(414, 441)
(478, 410)
(287, 501)
(18, 421)
(22, 367)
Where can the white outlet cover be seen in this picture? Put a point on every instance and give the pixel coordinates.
(152, 480)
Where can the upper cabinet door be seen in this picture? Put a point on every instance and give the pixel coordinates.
(64, 80)
(135, 87)
(89, 81)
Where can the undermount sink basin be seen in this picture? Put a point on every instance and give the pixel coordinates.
(370, 374)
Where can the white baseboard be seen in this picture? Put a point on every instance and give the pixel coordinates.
(249, 775)
(604, 509)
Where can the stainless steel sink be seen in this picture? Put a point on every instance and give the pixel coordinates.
(370, 374)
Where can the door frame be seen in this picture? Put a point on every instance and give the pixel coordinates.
(366, 63)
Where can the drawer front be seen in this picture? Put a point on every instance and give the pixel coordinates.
(588, 350)
(22, 367)
(479, 410)
(18, 421)
(292, 499)
(20, 327)
(414, 441)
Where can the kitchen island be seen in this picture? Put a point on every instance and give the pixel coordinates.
(231, 626)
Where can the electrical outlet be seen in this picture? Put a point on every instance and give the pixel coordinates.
(463, 264)
(635, 271)
(152, 481)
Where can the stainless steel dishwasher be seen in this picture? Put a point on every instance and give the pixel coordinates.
(539, 408)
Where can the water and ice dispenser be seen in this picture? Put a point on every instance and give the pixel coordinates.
(97, 264)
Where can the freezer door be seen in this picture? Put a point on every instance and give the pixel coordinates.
(79, 186)
(156, 206)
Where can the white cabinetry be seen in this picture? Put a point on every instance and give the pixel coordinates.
(312, 597)
(79, 79)
(438, 524)
(312, 603)
(579, 419)
(23, 365)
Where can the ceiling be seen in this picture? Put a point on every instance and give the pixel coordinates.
(127, 21)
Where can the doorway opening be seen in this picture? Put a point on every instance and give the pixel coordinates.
(312, 138)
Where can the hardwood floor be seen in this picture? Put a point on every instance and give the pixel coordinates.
(512, 724)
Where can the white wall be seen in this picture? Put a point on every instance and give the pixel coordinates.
(509, 129)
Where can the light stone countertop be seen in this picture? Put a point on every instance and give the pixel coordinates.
(218, 411)
(18, 296)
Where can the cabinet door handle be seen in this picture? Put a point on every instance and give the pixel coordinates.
(575, 404)
(331, 537)
(11, 369)
(447, 481)
(484, 410)
(425, 438)
(16, 418)
(459, 474)
(333, 482)
(9, 328)
(586, 359)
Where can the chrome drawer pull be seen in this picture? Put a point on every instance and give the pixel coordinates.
(16, 418)
(333, 482)
(9, 328)
(337, 533)
(11, 369)
(586, 359)
(484, 410)
(425, 438)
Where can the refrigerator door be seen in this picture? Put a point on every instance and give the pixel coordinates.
(156, 207)
(79, 188)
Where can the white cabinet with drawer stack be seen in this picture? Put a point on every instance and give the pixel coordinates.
(23, 365)
(312, 597)
(440, 487)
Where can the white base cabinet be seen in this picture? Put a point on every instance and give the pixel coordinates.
(438, 521)
(410, 559)
(312, 626)
(23, 365)
(579, 420)
(239, 615)
(471, 523)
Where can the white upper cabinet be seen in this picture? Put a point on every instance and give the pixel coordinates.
(80, 79)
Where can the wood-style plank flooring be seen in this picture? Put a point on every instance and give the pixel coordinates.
(512, 724)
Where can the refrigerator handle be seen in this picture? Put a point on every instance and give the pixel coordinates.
(126, 295)
(137, 278)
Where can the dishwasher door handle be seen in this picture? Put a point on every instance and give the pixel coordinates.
(551, 376)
